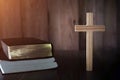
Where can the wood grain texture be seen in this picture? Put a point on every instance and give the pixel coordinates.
(10, 20)
(104, 14)
(110, 39)
(84, 28)
(34, 75)
(97, 7)
(62, 15)
(89, 28)
(99, 19)
(118, 24)
(89, 51)
(35, 18)
(82, 21)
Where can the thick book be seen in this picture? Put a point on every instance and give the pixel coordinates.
(27, 65)
(25, 48)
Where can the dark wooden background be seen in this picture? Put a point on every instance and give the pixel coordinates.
(24, 18)
(53, 20)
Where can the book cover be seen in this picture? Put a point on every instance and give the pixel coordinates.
(25, 48)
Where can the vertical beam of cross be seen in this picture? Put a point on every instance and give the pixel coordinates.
(89, 43)
(89, 28)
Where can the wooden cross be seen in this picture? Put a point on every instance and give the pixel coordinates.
(89, 28)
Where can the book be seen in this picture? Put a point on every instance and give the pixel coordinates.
(25, 48)
(27, 65)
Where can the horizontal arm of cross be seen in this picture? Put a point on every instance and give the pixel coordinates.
(85, 28)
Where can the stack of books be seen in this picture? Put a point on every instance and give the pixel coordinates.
(26, 54)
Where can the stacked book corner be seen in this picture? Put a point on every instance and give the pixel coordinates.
(26, 54)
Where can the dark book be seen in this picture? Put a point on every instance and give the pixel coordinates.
(25, 48)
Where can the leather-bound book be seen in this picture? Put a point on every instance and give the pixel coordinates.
(26, 48)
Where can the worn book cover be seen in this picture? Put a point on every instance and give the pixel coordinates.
(25, 48)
